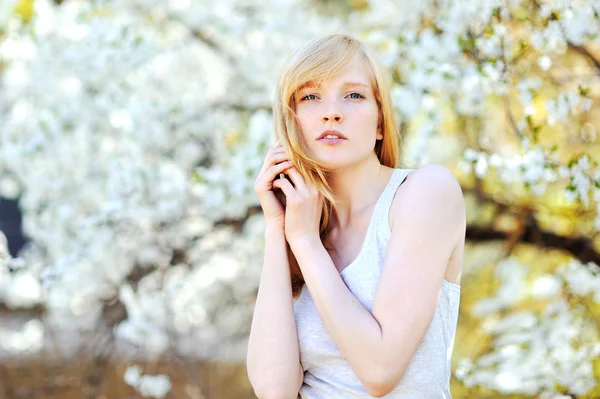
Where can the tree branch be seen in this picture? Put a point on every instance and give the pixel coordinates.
(581, 248)
(511, 120)
(586, 53)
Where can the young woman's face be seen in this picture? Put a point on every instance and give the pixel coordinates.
(346, 104)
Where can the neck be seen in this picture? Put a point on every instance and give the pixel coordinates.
(357, 187)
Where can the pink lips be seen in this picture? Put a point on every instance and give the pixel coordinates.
(331, 141)
(324, 140)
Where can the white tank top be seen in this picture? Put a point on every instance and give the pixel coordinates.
(327, 374)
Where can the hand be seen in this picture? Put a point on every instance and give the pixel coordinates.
(275, 163)
(303, 209)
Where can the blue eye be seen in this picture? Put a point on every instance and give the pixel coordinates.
(306, 96)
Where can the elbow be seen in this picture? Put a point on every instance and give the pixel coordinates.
(379, 390)
(276, 394)
(277, 387)
(382, 384)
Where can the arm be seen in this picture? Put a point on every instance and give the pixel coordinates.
(273, 359)
(380, 345)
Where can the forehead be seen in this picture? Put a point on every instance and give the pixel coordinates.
(343, 85)
(354, 75)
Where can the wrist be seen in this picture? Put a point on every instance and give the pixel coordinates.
(273, 228)
(302, 243)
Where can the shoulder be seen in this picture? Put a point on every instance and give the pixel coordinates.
(432, 177)
(430, 188)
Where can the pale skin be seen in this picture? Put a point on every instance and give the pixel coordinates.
(427, 222)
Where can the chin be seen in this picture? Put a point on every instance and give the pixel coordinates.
(330, 163)
(333, 159)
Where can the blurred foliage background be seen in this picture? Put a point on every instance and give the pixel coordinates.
(132, 131)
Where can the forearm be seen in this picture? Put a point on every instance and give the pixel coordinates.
(273, 355)
(355, 331)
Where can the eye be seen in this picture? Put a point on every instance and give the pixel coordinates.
(306, 97)
(358, 94)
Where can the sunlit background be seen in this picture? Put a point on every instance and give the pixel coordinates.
(131, 132)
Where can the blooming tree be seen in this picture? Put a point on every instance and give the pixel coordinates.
(132, 132)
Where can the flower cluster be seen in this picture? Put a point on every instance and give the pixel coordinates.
(133, 130)
(533, 352)
(149, 386)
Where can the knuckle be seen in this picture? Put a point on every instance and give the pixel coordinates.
(259, 183)
(275, 157)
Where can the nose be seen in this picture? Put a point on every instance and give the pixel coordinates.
(332, 114)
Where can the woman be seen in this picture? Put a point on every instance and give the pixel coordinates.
(360, 289)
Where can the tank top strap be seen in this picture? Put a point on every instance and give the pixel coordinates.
(387, 196)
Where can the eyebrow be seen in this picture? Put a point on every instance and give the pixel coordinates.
(350, 84)
(346, 84)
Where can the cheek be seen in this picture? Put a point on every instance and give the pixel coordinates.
(305, 120)
(373, 111)
(306, 115)
(366, 117)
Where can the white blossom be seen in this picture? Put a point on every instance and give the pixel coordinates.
(164, 121)
(582, 279)
(27, 340)
(149, 386)
(544, 62)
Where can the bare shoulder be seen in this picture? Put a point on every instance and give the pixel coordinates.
(431, 186)
(431, 177)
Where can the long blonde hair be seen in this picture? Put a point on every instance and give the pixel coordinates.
(317, 61)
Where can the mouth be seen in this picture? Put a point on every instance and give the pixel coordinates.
(331, 136)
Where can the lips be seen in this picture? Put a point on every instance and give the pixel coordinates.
(332, 132)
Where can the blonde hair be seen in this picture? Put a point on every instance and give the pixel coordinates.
(317, 61)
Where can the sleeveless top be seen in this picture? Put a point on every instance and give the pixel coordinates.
(326, 373)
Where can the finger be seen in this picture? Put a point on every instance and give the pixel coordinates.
(287, 188)
(276, 155)
(276, 149)
(272, 158)
(297, 179)
(274, 170)
(264, 181)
